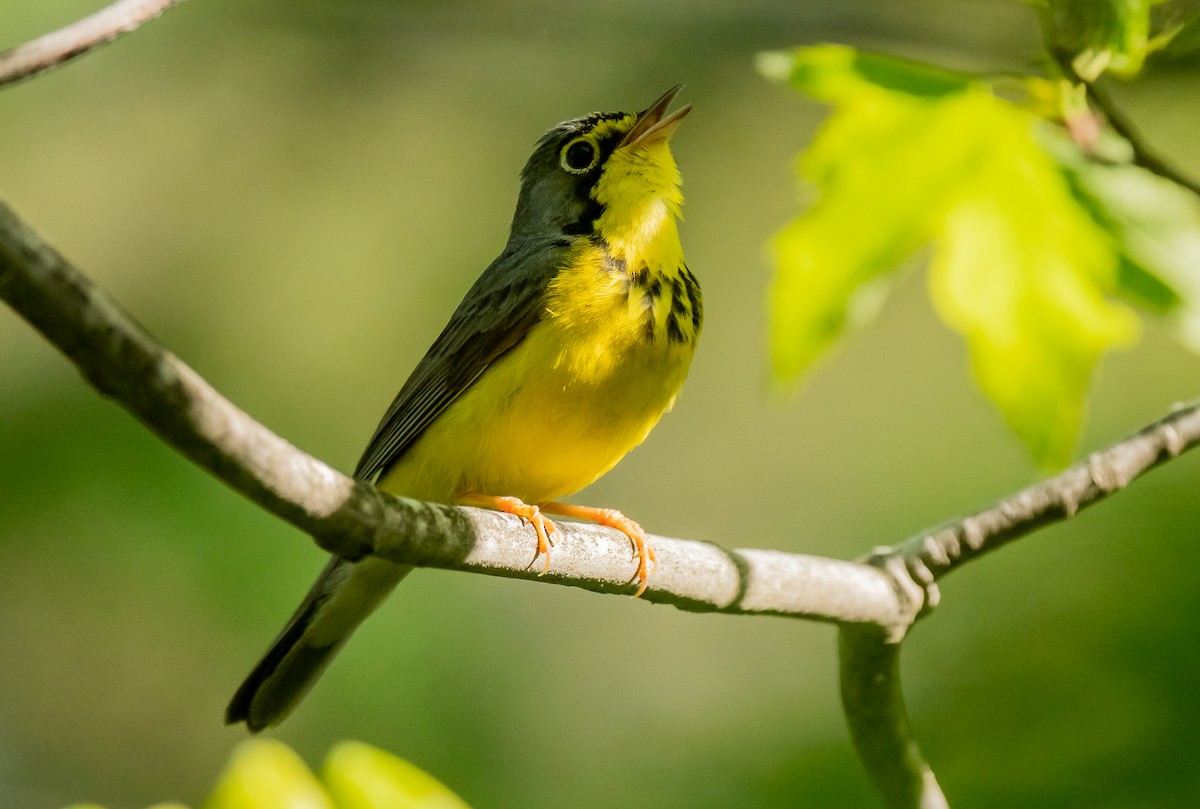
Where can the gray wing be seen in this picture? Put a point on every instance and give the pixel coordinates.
(497, 312)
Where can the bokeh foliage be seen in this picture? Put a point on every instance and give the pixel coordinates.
(266, 774)
(1040, 243)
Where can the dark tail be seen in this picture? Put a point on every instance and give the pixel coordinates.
(344, 594)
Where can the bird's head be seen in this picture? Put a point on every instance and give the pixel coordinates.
(607, 174)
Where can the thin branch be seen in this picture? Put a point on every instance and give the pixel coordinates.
(1143, 154)
(870, 673)
(76, 39)
(878, 721)
(942, 550)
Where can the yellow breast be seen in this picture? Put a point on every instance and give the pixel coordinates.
(585, 386)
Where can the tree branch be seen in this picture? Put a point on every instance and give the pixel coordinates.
(76, 39)
(869, 656)
(878, 721)
(942, 550)
(1143, 154)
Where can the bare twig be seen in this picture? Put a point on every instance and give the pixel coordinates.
(76, 39)
(942, 550)
(1143, 154)
(869, 669)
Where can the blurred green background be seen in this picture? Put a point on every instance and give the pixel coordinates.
(294, 195)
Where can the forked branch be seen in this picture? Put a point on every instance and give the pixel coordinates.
(870, 672)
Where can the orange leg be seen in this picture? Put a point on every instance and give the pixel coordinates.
(613, 519)
(513, 505)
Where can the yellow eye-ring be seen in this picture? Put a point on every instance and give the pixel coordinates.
(579, 156)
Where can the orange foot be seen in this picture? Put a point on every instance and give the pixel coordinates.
(513, 505)
(614, 519)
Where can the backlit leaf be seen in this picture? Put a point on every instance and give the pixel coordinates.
(1020, 267)
(880, 195)
(363, 777)
(265, 774)
(1156, 228)
(1023, 273)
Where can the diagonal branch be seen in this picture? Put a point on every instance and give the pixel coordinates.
(1144, 155)
(76, 39)
(869, 657)
(942, 550)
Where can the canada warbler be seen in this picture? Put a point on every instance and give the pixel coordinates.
(560, 359)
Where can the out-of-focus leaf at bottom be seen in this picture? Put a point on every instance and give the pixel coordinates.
(363, 777)
(265, 774)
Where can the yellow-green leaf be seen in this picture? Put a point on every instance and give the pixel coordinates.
(880, 197)
(265, 774)
(833, 72)
(1022, 272)
(1155, 225)
(363, 777)
(1020, 267)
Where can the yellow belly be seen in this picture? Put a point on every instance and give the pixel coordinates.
(537, 426)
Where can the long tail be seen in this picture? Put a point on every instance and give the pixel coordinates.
(344, 594)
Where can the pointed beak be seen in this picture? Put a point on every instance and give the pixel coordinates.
(651, 125)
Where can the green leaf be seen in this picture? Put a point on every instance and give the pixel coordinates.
(363, 777)
(265, 774)
(1023, 272)
(870, 158)
(1101, 35)
(1155, 225)
(831, 72)
(1019, 266)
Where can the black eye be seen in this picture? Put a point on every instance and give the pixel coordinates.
(579, 156)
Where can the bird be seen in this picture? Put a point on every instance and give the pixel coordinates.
(560, 359)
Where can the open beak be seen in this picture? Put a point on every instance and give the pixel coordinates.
(651, 125)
